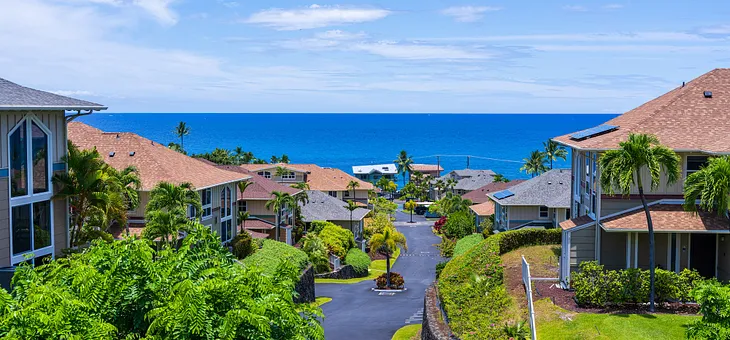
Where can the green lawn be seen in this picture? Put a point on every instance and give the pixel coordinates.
(376, 268)
(554, 322)
(409, 332)
(320, 300)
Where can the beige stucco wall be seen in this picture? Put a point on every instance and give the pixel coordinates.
(360, 195)
(258, 208)
(582, 246)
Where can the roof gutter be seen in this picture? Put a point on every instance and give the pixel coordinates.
(675, 150)
(52, 108)
(223, 183)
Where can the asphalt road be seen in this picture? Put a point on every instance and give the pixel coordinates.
(356, 312)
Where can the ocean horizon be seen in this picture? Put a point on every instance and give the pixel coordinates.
(494, 141)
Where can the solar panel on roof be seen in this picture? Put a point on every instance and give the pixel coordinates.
(594, 131)
(503, 194)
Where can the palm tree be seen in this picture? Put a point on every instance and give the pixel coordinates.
(392, 187)
(535, 164)
(164, 223)
(352, 185)
(281, 172)
(386, 243)
(440, 185)
(710, 185)
(621, 170)
(171, 197)
(382, 183)
(284, 158)
(351, 206)
(554, 151)
(499, 178)
(300, 186)
(451, 183)
(181, 131)
(130, 183)
(274, 160)
(410, 205)
(404, 163)
(242, 186)
(278, 202)
(243, 216)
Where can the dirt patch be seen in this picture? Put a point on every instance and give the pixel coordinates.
(565, 299)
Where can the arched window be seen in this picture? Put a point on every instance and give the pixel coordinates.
(31, 220)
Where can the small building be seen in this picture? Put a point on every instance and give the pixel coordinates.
(467, 180)
(33, 224)
(157, 163)
(323, 207)
(483, 206)
(431, 170)
(542, 201)
(373, 173)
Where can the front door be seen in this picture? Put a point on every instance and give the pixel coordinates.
(702, 254)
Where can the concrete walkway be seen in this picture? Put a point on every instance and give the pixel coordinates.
(356, 313)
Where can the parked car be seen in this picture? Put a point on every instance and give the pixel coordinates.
(420, 209)
(429, 214)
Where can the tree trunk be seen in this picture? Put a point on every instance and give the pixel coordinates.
(411, 215)
(387, 271)
(182, 142)
(652, 264)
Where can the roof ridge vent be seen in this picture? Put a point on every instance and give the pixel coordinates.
(708, 94)
(112, 153)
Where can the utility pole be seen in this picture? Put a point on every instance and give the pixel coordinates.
(467, 162)
(438, 166)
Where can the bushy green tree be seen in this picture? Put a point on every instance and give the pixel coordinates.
(128, 290)
(459, 225)
(377, 224)
(338, 240)
(317, 252)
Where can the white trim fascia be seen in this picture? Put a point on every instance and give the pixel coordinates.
(223, 183)
(670, 231)
(51, 108)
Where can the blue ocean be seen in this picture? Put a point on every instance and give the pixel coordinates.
(494, 141)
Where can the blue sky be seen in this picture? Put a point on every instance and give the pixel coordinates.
(395, 56)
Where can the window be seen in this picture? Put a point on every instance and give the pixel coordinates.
(206, 199)
(226, 231)
(289, 175)
(567, 214)
(333, 193)
(345, 194)
(242, 206)
(226, 215)
(191, 212)
(695, 163)
(543, 212)
(266, 174)
(30, 195)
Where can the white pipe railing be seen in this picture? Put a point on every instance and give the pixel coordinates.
(527, 281)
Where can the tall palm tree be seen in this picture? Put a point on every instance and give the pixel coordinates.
(171, 197)
(281, 172)
(621, 170)
(181, 131)
(352, 185)
(451, 183)
(243, 216)
(440, 185)
(90, 188)
(404, 164)
(130, 183)
(386, 243)
(284, 158)
(554, 151)
(242, 186)
(535, 164)
(278, 202)
(351, 206)
(274, 160)
(710, 185)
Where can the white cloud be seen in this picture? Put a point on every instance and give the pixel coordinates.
(575, 8)
(315, 16)
(719, 29)
(417, 51)
(159, 9)
(612, 6)
(468, 13)
(587, 37)
(340, 35)
(72, 93)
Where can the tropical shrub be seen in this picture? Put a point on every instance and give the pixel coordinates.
(376, 225)
(315, 249)
(517, 330)
(596, 286)
(438, 226)
(359, 260)
(243, 245)
(439, 267)
(396, 281)
(458, 225)
(446, 247)
(466, 243)
(714, 300)
(317, 226)
(197, 291)
(487, 226)
(338, 240)
(272, 253)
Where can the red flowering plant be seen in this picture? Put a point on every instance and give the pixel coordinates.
(439, 224)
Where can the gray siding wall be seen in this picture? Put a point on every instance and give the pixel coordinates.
(55, 121)
(613, 250)
(582, 246)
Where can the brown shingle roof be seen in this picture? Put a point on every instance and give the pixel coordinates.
(318, 178)
(480, 195)
(155, 162)
(576, 222)
(683, 119)
(258, 224)
(666, 217)
(426, 167)
(261, 187)
(483, 209)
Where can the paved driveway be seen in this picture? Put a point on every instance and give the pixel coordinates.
(358, 313)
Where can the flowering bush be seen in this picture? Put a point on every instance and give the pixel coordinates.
(439, 225)
(396, 281)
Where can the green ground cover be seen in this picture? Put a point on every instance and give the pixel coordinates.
(409, 332)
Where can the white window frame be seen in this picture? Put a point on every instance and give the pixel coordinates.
(346, 193)
(31, 198)
(206, 207)
(687, 171)
(226, 213)
(266, 174)
(330, 193)
(289, 176)
(540, 212)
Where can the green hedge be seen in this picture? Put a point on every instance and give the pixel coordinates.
(272, 252)
(359, 261)
(338, 240)
(472, 288)
(466, 243)
(595, 286)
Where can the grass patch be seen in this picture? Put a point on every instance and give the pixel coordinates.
(554, 322)
(467, 243)
(409, 332)
(376, 268)
(320, 300)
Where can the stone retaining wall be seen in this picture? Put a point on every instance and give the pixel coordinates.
(434, 326)
(305, 286)
(344, 273)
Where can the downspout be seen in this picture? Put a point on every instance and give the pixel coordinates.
(599, 191)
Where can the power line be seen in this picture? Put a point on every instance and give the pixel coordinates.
(472, 156)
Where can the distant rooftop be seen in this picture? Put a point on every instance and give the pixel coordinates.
(426, 167)
(323, 207)
(550, 189)
(17, 97)
(480, 195)
(470, 179)
(385, 169)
